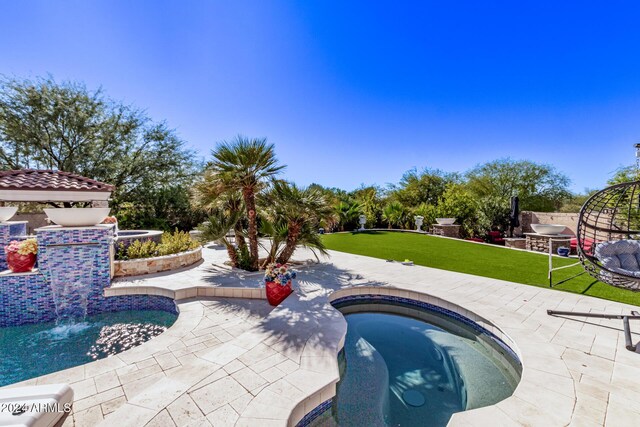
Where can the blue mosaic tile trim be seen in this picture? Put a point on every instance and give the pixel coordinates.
(83, 259)
(137, 302)
(315, 413)
(421, 305)
(28, 299)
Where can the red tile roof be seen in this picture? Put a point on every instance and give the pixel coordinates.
(30, 179)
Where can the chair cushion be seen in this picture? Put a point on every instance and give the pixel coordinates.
(622, 256)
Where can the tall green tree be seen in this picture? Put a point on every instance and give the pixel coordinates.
(45, 124)
(65, 126)
(457, 202)
(422, 187)
(246, 165)
(371, 200)
(540, 187)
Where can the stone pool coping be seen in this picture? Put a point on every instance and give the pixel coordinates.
(574, 372)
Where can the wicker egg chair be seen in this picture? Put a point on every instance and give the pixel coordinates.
(609, 235)
(608, 245)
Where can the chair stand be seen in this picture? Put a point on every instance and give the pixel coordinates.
(625, 322)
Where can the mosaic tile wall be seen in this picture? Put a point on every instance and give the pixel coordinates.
(68, 259)
(10, 231)
(25, 298)
(71, 259)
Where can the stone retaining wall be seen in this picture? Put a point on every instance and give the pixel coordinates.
(135, 267)
(541, 243)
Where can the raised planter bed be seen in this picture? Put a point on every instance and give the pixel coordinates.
(136, 267)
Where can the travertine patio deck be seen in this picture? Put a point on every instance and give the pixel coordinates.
(239, 362)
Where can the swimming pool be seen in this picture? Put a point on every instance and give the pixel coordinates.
(33, 350)
(404, 365)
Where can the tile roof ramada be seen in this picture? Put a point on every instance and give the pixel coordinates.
(32, 179)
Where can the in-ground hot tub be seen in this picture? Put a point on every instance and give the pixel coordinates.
(127, 237)
(410, 363)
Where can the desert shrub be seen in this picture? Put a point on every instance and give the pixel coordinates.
(171, 243)
(140, 249)
(178, 241)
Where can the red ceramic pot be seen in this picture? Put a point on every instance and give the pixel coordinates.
(20, 263)
(277, 293)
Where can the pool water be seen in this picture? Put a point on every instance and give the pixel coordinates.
(29, 351)
(416, 369)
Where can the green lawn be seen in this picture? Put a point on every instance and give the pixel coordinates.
(481, 260)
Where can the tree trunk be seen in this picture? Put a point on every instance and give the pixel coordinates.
(268, 260)
(233, 254)
(292, 243)
(250, 203)
(239, 238)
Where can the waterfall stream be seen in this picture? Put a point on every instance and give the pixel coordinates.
(72, 285)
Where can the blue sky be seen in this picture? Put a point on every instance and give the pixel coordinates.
(358, 92)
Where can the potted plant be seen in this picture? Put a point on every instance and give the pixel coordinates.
(21, 255)
(277, 279)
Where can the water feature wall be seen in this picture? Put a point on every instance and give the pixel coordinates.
(76, 264)
(74, 267)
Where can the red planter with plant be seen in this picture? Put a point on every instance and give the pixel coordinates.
(21, 263)
(276, 293)
(21, 255)
(277, 279)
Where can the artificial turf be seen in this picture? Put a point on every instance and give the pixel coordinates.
(479, 259)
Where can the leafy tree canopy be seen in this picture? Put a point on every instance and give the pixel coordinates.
(65, 126)
(540, 187)
(422, 187)
(625, 174)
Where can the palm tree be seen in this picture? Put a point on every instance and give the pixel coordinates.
(300, 210)
(214, 195)
(308, 237)
(393, 213)
(216, 229)
(245, 165)
(347, 213)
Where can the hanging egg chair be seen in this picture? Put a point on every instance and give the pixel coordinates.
(609, 246)
(608, 240)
